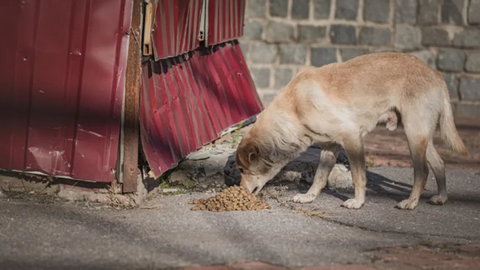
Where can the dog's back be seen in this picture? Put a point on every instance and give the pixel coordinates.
(356, 94)
(394, 76)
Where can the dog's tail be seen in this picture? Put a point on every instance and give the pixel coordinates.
(447, 128)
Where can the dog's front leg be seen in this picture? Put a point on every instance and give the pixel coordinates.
(328, 157)
(356, 157)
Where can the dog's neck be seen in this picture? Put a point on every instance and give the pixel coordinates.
(278, 140)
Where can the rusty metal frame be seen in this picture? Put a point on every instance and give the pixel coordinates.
(129, 141)
(203, 35)
(148, 12)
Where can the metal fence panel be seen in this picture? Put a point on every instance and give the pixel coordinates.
(176, 27)
(189, 100)
(225, 20)
(61, 85)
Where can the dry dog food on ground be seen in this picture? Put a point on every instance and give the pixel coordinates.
(231, 199)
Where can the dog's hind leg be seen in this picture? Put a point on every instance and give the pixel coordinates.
(356, 156)
(418, 136)
(328, 157)
(438, 168)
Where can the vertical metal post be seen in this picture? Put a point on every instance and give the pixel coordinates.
(130, 128)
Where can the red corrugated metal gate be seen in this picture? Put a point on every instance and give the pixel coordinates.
(189, 99)
(62, 83)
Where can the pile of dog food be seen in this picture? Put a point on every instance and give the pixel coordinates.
(234, 198)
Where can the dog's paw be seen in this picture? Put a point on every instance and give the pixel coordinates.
(353, 204)
(407, 204)
(304, 198)
(438, 199)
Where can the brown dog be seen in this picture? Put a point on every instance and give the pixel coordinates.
(337, 105)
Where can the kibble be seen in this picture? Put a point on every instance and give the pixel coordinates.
(234, 198)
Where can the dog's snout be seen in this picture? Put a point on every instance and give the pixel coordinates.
(244, 185)
(247, 185)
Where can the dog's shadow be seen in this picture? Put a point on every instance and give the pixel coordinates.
(304, 167)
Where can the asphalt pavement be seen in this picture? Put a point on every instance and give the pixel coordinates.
(40, 233)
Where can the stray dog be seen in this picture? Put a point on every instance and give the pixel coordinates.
(335, 106)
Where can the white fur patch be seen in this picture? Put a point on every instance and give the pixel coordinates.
(330, 115)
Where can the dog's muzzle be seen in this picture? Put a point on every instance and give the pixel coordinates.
(251, 186)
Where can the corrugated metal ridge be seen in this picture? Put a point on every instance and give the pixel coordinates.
(225, 20)
(176, 27)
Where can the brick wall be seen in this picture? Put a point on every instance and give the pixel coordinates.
(283, 35)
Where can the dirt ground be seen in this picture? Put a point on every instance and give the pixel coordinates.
(390, 148)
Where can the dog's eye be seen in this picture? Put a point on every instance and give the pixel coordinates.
(241, 170)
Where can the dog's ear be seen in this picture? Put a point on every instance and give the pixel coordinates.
(247, 153)
(253, 153)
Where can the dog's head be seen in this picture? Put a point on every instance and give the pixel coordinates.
(254, 165)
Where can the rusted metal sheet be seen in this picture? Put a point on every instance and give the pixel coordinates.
(225, 20)
(62, 77)
(188, 100)
(130, 134)
(176, 27)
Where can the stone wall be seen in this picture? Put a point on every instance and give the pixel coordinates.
(283, 35)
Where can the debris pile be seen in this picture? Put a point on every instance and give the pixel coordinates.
(234, 198)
